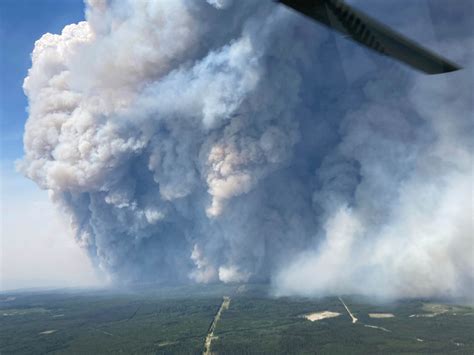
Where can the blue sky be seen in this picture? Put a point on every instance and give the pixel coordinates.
(37, 248)
(22, 22)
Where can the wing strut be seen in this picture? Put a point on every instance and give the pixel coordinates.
(338, 15)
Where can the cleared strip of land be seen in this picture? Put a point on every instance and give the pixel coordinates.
(210, 334)
(49, 331)
(381, 315)
(321, 315)
(376, 327)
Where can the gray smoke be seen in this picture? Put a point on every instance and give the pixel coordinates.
(234, 141)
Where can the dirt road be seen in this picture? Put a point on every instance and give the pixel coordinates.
(354, 319)
(210, 334)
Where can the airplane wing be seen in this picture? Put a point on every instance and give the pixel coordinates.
(363, 29)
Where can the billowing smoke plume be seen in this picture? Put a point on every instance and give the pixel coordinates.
(233, 141)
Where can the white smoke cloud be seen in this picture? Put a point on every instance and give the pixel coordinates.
(203, 141)
(220, 4)
(232, 274)
(425, 249)
(410, 230)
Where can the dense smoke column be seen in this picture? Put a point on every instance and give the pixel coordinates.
(195, 141)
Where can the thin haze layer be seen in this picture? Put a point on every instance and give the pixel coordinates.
(195, 141)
